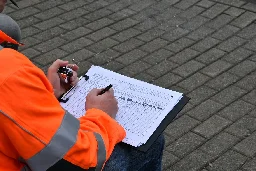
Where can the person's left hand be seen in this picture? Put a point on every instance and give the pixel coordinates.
(57, 82)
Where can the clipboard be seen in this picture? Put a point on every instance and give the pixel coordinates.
(162, 126)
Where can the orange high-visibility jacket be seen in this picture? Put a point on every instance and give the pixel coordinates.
(36, 132)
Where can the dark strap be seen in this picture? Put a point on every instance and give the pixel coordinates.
(64, 165)
(10, 45)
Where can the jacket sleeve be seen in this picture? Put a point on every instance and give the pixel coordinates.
(43, 133)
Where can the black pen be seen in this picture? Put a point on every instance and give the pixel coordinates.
(105, 89)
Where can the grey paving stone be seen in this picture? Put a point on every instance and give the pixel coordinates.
(161, 68)
(28, 42)
(210, 56)
(28, 21)
(162, 5)
(250, 165)
(101, 34)
(49, 34)
(30, 53)
(222, 81)
(251, 44)
(126, 34)
(186, 144)
(243, 68)
(113, 65)
(236, 3)
(167, 14)
(73, 4)
(200, 33)
(183, 4)
(140, 5)
(96, 5)
(188, 68)
(131, 57)
(73, 14)
(193, 81)
(98, 14)
(243, 127)
(205, 44)
(146, 13)
(215, 10)
(146, 24)
(171, 23)
(181, 126)
(219, 21)
(180, 44)
(216, 68)
(76, 44)
(167, 80)
(233, 11)
(225, 32)
(98, 24)
(45, 5)
(179, 89)
(52, 12)
(228, 95)
(248, 82)
(150, 34)
(50, 57)
(236, 110)
(250, 97)
(187, 108)
(154, 45)
(231, 160)
(194, 161)
(102, 45)
(205, 110)
(237, 55)
(128, 45)
(194, 23)
(168, 160)
(249, 6)
(219, 144)
(79, 56)
(157, 56)
(84, 66)
(144, 77)
(191, 12)
(134, 68)
(23, 13)
(78, 22)
(123, 24)
(76, 33)
(247, 146)
(116, 6)
(104, 57)
(29, 31)
(175, 34)
(244, 20)
(231, 43)
(184, 56)
(47, 24)
(50, 44)
(248, 32)
(200, 94)
(205, 3)
(212, 126)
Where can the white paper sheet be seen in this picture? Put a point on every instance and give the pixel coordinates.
(142, 106)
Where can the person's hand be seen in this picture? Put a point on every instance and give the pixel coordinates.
(57, 82)
(105, 102)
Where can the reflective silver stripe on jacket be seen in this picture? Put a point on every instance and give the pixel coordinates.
(61, 142)
(101, 152)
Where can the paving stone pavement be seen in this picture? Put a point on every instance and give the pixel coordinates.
(203, 48)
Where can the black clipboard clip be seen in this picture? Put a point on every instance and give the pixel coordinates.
(63, 98)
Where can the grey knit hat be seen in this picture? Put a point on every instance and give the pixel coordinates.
(10, 28)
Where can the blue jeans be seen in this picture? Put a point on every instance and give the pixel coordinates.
(127, 158)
